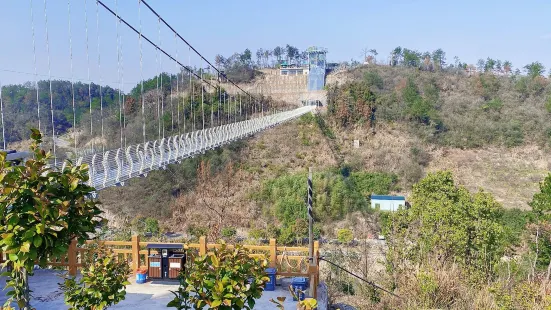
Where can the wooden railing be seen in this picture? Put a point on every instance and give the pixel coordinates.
(289, 261)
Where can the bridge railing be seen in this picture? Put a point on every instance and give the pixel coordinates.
(289, 261)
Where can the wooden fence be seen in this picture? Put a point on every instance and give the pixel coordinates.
(289, 261)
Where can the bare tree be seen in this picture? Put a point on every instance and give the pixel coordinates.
(214, 201)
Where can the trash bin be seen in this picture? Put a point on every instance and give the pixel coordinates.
(299, 283)
(167, 263)
(271, 273)
(154, 269)
(176, 263)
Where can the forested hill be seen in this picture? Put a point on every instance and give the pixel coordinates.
(20, 108)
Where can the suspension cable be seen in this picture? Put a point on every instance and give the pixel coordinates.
(191, 47)
(72, 80)
(360, 278)
(147, 39)
(34, 60)
(141, 71)
(100, 87)
(50, 78)
(89, 80)
(2, 112)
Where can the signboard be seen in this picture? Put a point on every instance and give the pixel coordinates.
(155, 264)
(175, 265)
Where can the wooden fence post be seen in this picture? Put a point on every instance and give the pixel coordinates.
(202, 245)
(135, 253)
(273, 253)
(313, 271)
(73, 258)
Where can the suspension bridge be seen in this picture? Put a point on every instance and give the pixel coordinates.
(113, 166)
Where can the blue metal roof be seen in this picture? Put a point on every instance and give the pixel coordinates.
(387, 197)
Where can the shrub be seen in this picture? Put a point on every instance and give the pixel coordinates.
(513, 134)
(345, 236)
(372, 78)
(228, 232)
(257, 233)
(548, 104)
(495, 104)
(223, 279)
(103, 281)
(152, 225)
(196, 231)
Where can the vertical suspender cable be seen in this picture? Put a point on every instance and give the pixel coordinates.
(192, 94)
(117, 21)
(100, 87)
(141, 71)
(228, 111)
(50, 78)
(178, 71)
(219, 101)
(211, 104)
(240, 108)
(122, 92)
(34, 59)
(162, 115)
(171, 106)
(72, 81)
(202, 98)
(89, 81)
(2, 112)
(157, 56)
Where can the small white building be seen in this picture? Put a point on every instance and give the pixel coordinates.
(387, 203)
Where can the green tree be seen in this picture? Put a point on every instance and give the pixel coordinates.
(490, 65)
(534, 69)
(507, 66)
(541, 202)
(41, 210)
(439, 58)
(278, 51)
(447, 223)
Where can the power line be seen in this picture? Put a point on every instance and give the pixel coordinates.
(151, 42)
(360, 278)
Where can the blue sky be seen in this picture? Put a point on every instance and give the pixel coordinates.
(519, 31)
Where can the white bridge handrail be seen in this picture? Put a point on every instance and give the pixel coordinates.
(114, 167)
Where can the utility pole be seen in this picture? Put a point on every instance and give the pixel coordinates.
(310, 219)
(312, 257)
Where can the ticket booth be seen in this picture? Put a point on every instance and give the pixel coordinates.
(167, 262)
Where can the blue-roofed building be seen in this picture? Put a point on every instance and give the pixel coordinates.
(387, 203)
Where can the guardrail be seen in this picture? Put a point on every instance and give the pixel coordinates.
(289, 261)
